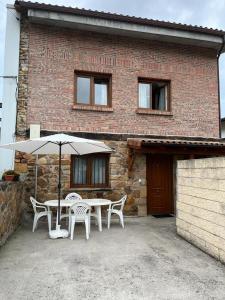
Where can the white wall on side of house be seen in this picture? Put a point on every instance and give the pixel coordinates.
(0, 117)
(9, 99)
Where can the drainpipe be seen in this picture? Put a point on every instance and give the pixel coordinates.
(218, 78)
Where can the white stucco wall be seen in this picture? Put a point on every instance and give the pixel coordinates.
(11, 66)
(0, 117)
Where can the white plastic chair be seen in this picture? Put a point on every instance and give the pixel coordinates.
(71, 196)
(80, 212)
(119, 210)
(40, 210)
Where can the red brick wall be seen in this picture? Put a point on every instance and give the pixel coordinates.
(55, 53)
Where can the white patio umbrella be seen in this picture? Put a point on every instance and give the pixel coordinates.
(58, 144)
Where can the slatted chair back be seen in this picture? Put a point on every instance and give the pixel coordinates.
(80, 209)
(123, 200)
(73, 196)
(34, 203)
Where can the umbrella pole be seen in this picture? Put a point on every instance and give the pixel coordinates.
(36, 174)
(59, 184)
(58, 232)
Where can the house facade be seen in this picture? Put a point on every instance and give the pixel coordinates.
(149, 89)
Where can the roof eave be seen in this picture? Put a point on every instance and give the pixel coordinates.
(24, 5)
(116, 27)
(204, 147)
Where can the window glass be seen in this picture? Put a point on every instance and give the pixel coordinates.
(144, 95)
(80, 170)
(153, 95)
(93, 89)
(159, 96)
(98, 171)
(83, 90)
(101, 91)
(90, 170)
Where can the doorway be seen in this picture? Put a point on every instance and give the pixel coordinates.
(160, 184)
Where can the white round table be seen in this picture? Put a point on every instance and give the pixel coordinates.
(96, 203)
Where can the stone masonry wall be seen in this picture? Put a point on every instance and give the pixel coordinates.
(22, 102)
(201, 204)
(49, 56)
(120, 182)
(11, 207)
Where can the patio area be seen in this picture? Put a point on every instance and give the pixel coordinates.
(146, 260)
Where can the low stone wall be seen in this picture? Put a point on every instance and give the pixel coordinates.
(11, 207)
(201, 204)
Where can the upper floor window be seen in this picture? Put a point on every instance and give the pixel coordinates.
(93, 89)
(153, 94)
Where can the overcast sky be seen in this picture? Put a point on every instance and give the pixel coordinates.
(209, 13)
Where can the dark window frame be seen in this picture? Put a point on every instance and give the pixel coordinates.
(156, 80)
(90, 158)
(93, 76)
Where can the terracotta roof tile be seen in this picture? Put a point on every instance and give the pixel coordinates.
(178, 142)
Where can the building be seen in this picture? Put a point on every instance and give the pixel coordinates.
(0, 117)
(8, 105)
(148, 88)
(223, 127)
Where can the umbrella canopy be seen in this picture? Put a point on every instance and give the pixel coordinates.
(59, 144)
(50, 145)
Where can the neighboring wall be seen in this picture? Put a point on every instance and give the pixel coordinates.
(11, 206)
(50, 55)
(9, 100)
(201, 204)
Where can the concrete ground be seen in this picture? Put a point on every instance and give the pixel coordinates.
(146, 260)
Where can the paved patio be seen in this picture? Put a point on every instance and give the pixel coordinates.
(146, 260)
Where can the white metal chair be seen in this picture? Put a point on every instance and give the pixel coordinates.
(70, 196)
(119, 210)
(79, 213)
(40, 210)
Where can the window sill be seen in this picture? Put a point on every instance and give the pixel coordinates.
(92, 108)
(147, 111)
(88, 189)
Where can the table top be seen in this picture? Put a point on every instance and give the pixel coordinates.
(68, 203)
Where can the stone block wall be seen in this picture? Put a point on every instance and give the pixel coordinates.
(201, 204)
(133, 185)
(11, 207)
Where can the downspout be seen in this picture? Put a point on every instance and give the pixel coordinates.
(218, 78)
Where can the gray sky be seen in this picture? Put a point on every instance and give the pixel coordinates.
(209, 13)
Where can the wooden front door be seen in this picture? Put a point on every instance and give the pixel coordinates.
(160, 184)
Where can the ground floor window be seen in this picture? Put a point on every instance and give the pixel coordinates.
(90, 170)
